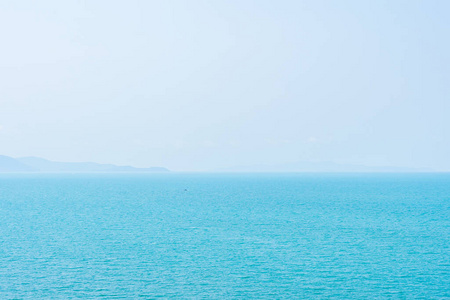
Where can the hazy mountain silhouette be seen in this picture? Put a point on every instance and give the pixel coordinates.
(9, 164)
(36, 164)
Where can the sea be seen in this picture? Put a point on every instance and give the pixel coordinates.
(225, 236)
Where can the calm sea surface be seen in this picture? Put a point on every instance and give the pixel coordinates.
(225, 236)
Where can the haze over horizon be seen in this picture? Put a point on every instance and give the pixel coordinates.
(200, 85)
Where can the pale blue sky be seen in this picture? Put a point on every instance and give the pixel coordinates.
(200, 85)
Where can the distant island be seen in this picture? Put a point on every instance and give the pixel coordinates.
(36, 164)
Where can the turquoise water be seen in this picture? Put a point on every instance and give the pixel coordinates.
(225, 236)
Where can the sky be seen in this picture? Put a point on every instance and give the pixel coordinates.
(204, 85)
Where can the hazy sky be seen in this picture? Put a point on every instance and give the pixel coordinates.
(200, 85)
